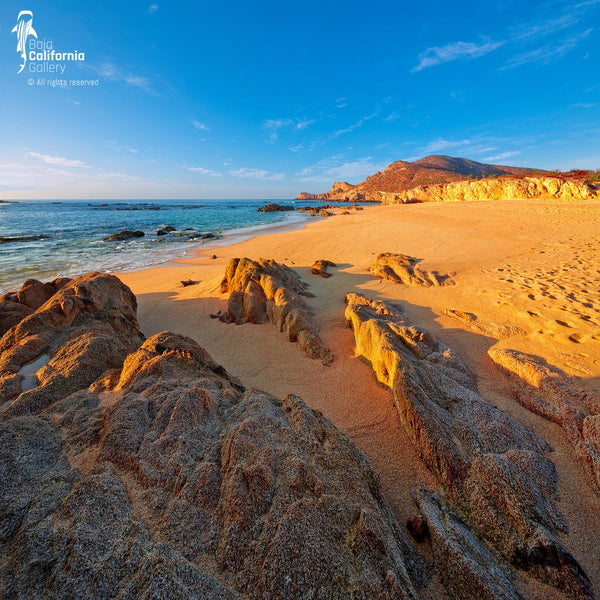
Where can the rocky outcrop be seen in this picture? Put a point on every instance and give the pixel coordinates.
(549, 392)
(341, 191)
(320, 267)
(15, 306)
(473, 322)
(497, 188)
(265, 290)
(88, 326)
(166, 478)
(274, 207)
(123, 236)
(401, 268)
(402, 175)
(467, 568)
(493, 470)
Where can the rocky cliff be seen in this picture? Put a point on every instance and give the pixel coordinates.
(401, 176)
(496, 188)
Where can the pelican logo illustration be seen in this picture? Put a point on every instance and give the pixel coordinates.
(24, 29)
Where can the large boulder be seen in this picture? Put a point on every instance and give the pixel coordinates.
(15, 306)
(88, 326)
(168, 479)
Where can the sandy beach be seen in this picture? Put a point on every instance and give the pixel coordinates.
(532, 265)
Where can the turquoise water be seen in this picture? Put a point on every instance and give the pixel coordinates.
(66, 237)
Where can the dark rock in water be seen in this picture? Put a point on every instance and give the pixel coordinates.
(123, 235)
(275, 208)
(165, 230)
(208, 236)
(15, 306)
(23, 238)
(166, 478)
(265, 290)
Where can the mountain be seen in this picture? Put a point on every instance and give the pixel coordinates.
(402, 175)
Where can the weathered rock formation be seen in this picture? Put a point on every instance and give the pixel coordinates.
(166, 478)
(401, 268)
(476, 324)
(265, 290)
(497, 188)
(15, 306)
(320, 267)
(341, 191)
(88, 326)
(467, 568)
(493, 471)
(549, 392)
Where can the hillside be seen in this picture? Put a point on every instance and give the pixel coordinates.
(402, 175)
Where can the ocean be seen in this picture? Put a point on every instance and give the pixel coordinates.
(45, 239)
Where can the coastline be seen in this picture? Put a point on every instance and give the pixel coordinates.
(504, 270)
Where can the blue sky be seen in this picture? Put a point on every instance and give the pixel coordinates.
(267, 99)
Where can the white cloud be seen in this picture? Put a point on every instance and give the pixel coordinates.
(336, 168)
(58, 161)
(200, 126)
(341, 102)
(544, 28)
(437, 55)
(273, 126)
(441, 144)
(114, 145)
(152, 9)
(546, 53)
(354, 126)
(585, 105)
(303, 123)
(203, 171)
(112, 72)
(501, 156)
(248, 173)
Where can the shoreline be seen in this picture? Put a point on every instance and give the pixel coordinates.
(62, 253)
